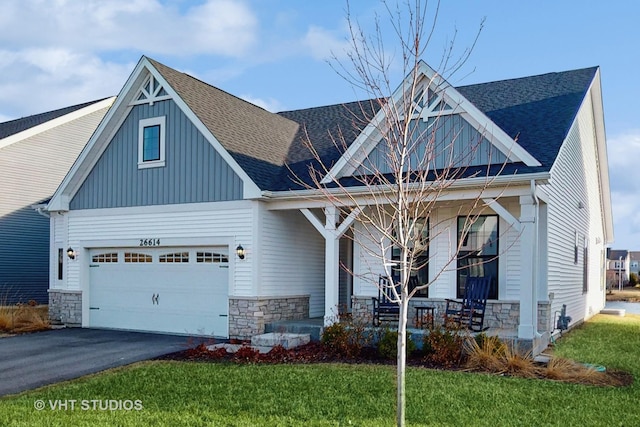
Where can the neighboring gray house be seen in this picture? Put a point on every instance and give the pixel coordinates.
(634, 262)
(182, 215)
(36, 153)
(618, 263)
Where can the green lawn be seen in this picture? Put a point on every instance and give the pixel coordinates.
(203, 394)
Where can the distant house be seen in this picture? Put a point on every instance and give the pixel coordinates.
(36, 153)
(634, 262)
(182, 215)
(618, 267)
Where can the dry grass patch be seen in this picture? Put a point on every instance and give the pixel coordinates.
(490, 354)
(23, 318)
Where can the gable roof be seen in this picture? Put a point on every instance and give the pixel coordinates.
(256, 138)
(615, 254)
(19, 125)
(270, 149)
(537, 111)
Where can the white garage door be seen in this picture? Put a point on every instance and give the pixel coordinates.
(175, 290)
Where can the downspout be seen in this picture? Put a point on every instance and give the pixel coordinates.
(41, 211)
(536, 253)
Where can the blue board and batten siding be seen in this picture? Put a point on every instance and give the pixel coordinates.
(194, 171)
(470, 147)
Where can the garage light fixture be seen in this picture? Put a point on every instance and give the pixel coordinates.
(240, 252)
(71, 253)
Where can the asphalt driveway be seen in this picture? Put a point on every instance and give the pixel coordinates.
(33, 360)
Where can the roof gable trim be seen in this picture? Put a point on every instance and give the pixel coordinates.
(449, 101)
(27, 133)
(113, 120)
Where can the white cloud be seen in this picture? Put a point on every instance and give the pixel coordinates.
(323, 44)
(38, 80)
(224, 27)
(624, 156)
(62, 52)
(270, 104)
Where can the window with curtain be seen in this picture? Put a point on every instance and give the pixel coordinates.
(478, 256)
(420, 247)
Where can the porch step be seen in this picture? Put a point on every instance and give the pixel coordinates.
(286, 340)
(312, 327)
(613, 311)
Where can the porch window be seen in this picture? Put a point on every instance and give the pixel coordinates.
(420, 274)
(478, 255)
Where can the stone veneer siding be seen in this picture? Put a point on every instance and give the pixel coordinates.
(499, 314)
(248, 316)
(65, 307)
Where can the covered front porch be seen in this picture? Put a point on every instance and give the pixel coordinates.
(519, 308)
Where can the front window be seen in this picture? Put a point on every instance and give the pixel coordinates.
(420, 273)
(478, 255)
(151, 143)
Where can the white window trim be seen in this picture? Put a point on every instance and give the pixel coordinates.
(146, 123)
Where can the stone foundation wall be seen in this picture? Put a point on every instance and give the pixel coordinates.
(248, 316)
(499, 315)
(65, 307)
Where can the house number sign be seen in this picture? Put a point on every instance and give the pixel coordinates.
(149, 242)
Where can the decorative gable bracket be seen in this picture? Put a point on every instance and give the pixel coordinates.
(150, 92)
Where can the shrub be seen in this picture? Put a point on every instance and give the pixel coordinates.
(246, 354)
(633, 279)
(444, 346)
(346, 339)
(388, 345)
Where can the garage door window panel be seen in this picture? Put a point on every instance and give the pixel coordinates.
(137, 257)
(176, 257)
(105, 257)
(211, 257)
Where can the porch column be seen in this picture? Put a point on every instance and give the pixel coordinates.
(331, 265)
(528, 256)
(331, 231)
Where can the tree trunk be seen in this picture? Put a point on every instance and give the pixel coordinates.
(402, 358)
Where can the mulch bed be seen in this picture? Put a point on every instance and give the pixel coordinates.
(315, 352)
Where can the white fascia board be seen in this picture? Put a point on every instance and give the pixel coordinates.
(97, 143)
(96, 106)
(487, 128)
(365, 141)
(503, 142)
(250, 189)
(595, 92)
(501, 186)
(112, 122)
(603, 161)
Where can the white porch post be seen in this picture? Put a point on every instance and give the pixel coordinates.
(331, 265)
(331, 231)
(528, 288)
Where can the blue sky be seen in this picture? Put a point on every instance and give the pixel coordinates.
(274, 53)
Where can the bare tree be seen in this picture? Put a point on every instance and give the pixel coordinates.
(421, 154)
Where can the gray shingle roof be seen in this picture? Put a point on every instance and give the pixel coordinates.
(18, 125)
(257, 139)
(271, 149)
(617, 253)
(538, 110)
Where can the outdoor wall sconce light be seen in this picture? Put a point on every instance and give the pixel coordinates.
(240, 252)
(71, 253)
